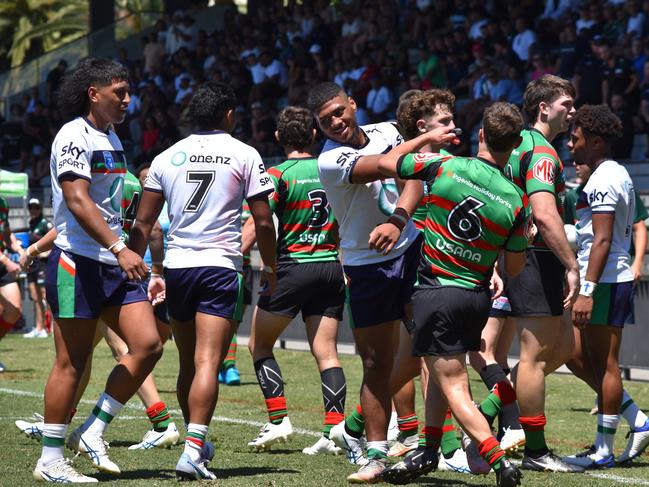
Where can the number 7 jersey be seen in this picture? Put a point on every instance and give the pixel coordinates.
(473, 211)
(204, 179)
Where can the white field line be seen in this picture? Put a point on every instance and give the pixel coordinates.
(618, 478)
(176, 412)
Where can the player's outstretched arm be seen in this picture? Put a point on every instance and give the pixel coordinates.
(266, 242)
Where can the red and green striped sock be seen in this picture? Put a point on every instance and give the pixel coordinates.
(159, 416)
(450, 442)
(194, 440)
(430, 437)
(502, 394)
(231, 357)
(408, 424)
(534, 427)
(331, 420)
(355, 423)
(492, 453)
(276, 407)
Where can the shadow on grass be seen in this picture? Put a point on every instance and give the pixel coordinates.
(249, 471)
(441, 482)
(139, 474)
(637, 463)
(580, 410)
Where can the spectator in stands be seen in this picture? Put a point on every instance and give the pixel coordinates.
(622, 147)
(184, 90)
(263, 130)
(36, 137)
(636, 22)
(568, 54)
(430, 69)
(54, 78)
(524, 39)
(618, 76)
(589, 75)
(153, 52)
(379, 99)
(539, 67)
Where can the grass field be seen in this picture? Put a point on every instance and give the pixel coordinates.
(240, 413)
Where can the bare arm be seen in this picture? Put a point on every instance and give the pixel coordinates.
(156, 245)
(147, 216)
(45, 244)
(640, 242)
(265, 232)
(248, 236)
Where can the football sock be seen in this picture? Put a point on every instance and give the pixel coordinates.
(334, 392)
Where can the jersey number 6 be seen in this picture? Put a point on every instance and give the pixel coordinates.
(463, 222)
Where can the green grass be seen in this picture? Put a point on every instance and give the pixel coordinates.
(570, 427)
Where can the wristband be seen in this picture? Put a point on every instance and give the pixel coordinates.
(587, 288)
(117, 247)
(155, 274)
(267, 269)
(399, 218)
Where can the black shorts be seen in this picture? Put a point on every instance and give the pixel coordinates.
(448, 320)
(36, 272)
(6, 278)
(248, 276)
(315, 288)
(538, 289)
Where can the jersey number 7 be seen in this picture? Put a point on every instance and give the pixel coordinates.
(204, 180)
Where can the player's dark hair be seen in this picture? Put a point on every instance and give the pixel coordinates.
(295, 127)
(210, 103)
(501, 125)
(322, 93)
(546, 89)
(421, 106)
(599, 120)
(73, 94)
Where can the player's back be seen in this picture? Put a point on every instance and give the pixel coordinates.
(204, 179)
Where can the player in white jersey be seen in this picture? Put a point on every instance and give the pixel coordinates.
(204, 179)
(380, 253)
(90, 272)
(605, 209)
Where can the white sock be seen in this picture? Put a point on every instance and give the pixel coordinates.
(631, 412)
(605, 437)
(103, 413)
(53, 442)
(196, 437)
(381, 446)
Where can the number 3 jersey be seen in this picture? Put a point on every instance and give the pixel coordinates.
(608, 190)
(473, 211)
(82, 151)
(359, 208)
(307, 229)
(204, 179)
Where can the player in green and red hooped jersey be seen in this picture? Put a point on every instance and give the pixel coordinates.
(10, 299)
(307, 243)
(419, 112)
(537, 296)
(474, 213)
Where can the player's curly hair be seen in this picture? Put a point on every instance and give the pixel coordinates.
(322, 93)
(599, 120)
(501, 125)
(295, 127)
(546, 89)
(420, 106)
(73, 94)
(210, 103)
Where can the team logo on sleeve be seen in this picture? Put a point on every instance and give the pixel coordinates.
(421, 157)
(108, 160)
(544, 170)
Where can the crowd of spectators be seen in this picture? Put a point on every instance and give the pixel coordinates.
(482, 50)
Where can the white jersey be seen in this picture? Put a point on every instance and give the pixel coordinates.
(359, 208)
(609, 190)
(204, 179)
(80, 150)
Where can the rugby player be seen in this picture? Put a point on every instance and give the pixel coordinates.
(204, 179)
(309, 279)
(90, 272)
(380, 271)
(606, 212)
(536, 296)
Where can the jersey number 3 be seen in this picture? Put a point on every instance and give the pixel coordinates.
(204, 180)
(463, 222)
(319, 208)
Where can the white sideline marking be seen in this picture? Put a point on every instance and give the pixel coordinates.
(618, 478)
(176, 412)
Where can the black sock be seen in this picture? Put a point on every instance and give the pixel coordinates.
(269, 377)
(508, 418)
(334, 389)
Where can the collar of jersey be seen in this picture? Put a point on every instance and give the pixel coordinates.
(532, 129)
(210, 132)
(94, 127)
(489, 163)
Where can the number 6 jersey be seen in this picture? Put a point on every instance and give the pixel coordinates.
(473, 212)
(306, 230)
(204, 179)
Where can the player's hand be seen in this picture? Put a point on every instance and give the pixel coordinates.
(267, 283)
(441, 136)
(496, 286)
(384, 237)
(12, 267)
(572, 288)
(26, 261)
(156, 291)
(582, 311)
(132, 264)
(637, 272)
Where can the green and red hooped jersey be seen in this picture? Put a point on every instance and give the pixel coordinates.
(473, 212)
(131, 193)
(245, 214)
(307, 228)
(419, 216)
(535, 166)
(4, 221)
